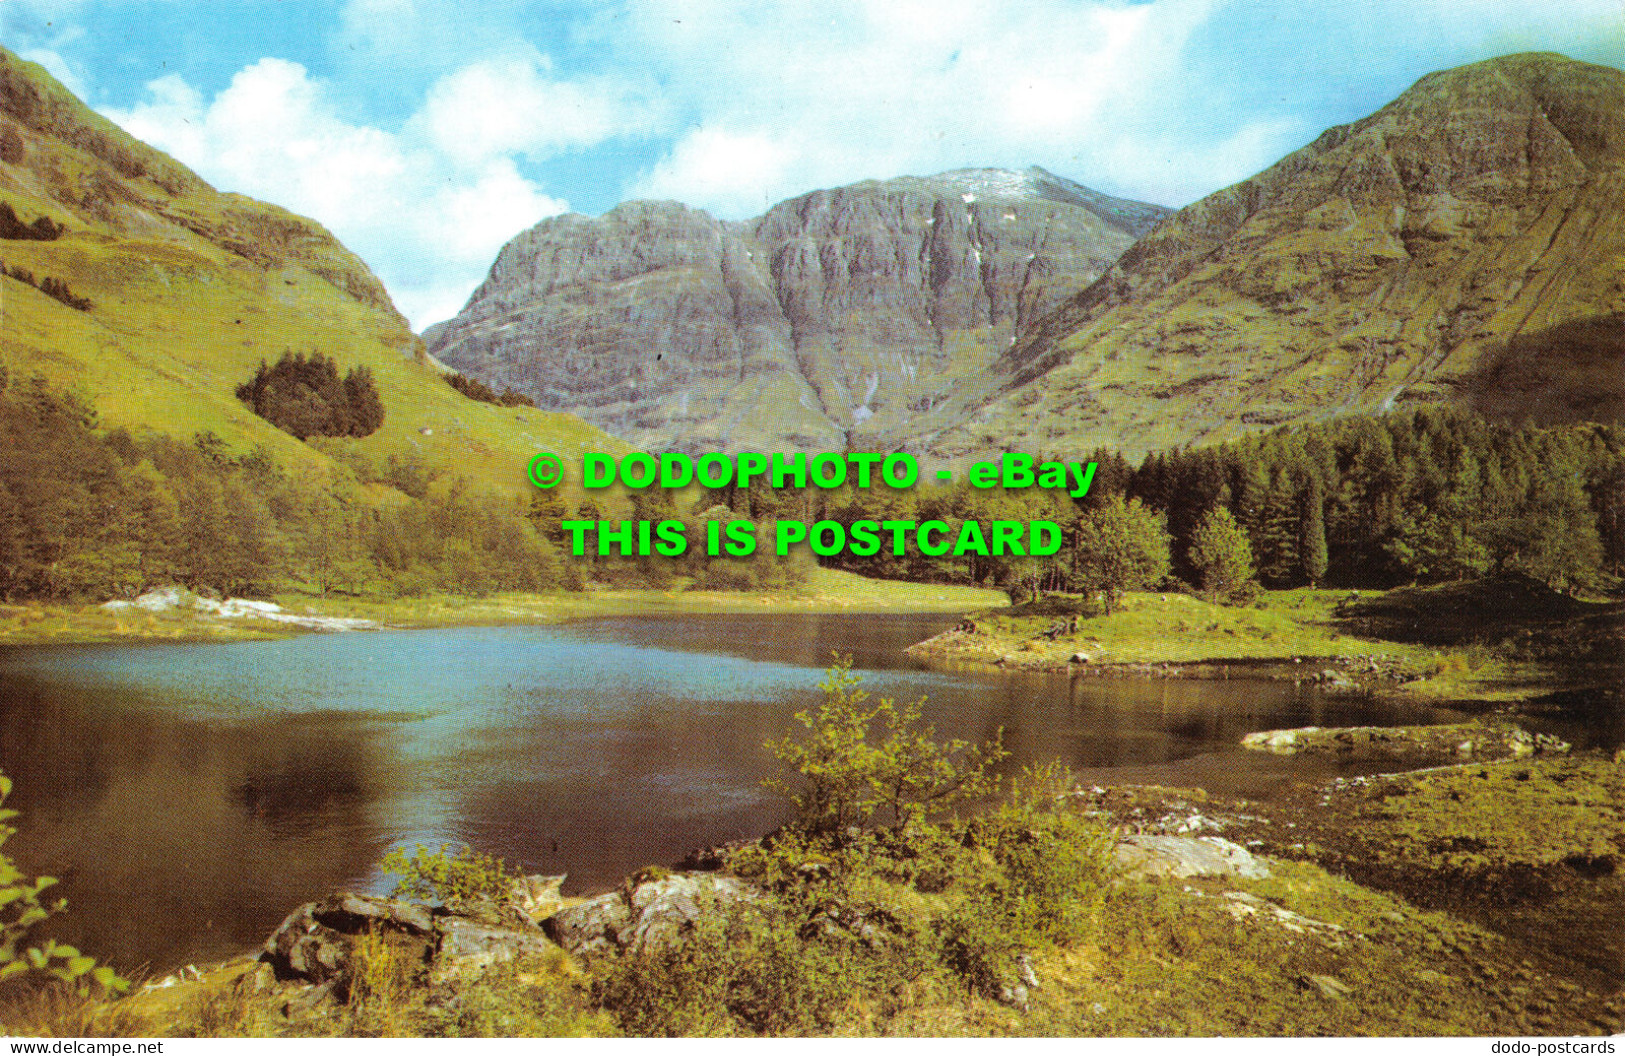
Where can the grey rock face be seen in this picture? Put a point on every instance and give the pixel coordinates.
(315, 941)
(653, 912)
(1182, 857)
(838, 315)
(469, 946)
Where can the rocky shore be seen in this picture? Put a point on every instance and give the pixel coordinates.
(1484, 886)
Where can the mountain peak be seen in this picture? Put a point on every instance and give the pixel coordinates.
(1458, 245)
(836, 317)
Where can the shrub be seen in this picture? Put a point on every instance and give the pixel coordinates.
(861, 763)
(758, 969)
(478, 390)
(1049, 886)
(452, 877)
(21, 909)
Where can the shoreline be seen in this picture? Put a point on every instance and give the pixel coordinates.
(826, 592)
(1330, 885)
(1510, 652)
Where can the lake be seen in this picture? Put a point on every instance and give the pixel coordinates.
(189, 796)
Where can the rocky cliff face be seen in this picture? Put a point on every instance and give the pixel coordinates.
(1463, 244)
(838, 317)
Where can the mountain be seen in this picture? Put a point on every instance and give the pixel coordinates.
(837, 317)
(188, 289)
(1464, 244)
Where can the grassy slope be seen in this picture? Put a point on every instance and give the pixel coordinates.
(192, 288)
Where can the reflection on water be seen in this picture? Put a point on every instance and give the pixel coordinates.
(189, 796)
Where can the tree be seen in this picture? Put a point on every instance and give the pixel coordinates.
(1221, 554)
(1121, 545)
(366, 409)
(1277, 535)
(305, 397)
(1312, 550)
(860, 763)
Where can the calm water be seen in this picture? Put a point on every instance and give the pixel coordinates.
(190, 795)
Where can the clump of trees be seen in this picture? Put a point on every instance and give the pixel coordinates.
(305, 397)
(89, 514)
(42, 229)
(51, 287)
(478, 390)
(1425, 496)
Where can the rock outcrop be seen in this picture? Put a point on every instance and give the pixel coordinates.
(317, 943)
(1462, 244)
(1479, 741)
(1182, 857)
(842, 315)
(646, 913)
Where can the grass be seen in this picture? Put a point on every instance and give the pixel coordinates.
(826, 591)
(1178, 629)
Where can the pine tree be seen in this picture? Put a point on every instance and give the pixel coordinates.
(1278, 530)
(1312, 550)
(1222, 555)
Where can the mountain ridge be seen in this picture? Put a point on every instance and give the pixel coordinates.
(1416, 255)
(829, 320)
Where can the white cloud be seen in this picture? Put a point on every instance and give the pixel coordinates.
(428, 221)
(792, 96)
(513, 105)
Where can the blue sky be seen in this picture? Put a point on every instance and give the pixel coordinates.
(426, 133)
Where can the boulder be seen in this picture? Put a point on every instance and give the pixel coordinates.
(658, 910)
(537, 897)
(1182, 857)
(1281, 742)
(470, 946)
(591, 925)
(316, 941)
(665, 909)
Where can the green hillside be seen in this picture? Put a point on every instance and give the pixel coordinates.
(191, 288)
(1460, 246)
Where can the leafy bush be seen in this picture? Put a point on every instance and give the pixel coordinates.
(858, 764)
(21, 909)
(452, 877)
(1048, 887)
(478, 390)
(759, 969)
